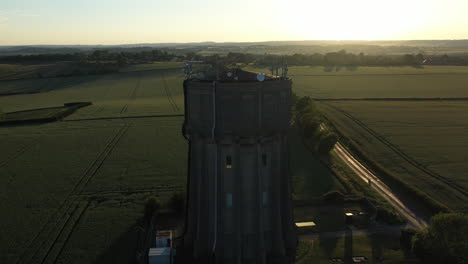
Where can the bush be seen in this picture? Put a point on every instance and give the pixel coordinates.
(406, 236)
(333, 196)
(444, 241)
(177, 203)
(152, 205)
(302, 103)
(326, 143)
(388, 216)
(310, 129)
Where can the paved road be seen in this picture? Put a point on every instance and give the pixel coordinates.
(413, 220)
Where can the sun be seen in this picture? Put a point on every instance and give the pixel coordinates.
(351, 20)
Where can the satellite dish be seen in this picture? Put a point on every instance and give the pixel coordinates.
(229, 74)
(260, 77)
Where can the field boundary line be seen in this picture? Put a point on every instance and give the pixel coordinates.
(122, 117)
(377, 74)
(395, 99)
(133, 191)
(401, 153)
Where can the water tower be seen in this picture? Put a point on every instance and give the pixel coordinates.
(239, 201)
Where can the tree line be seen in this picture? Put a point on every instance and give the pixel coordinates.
(445, 240)
(339, 58)
(97, 56)
(318, 138)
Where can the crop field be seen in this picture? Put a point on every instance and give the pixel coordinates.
(379, 82)
(84, 180)
(77, 187)
(121, 94)
(98, 169)
(423, 142)
(406, 131)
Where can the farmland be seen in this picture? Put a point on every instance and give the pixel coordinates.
(379, 82)
(84, 180)
(401, 126)
(77, 187)
(423, 143)
(101, 166)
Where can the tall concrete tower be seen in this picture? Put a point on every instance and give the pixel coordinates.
(239, 201)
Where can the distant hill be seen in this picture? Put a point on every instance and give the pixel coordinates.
(275, 47)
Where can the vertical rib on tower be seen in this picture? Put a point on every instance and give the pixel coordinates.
(239, 204)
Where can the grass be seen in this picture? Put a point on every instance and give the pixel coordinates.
(373, 246)
(311, 179)
(422, 143)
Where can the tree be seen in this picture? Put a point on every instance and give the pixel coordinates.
(152, 205)
(177, 203)
(419, 58)
(122, 60)
(310, 128)
(302, 103)
(444, 241)
(326, 143)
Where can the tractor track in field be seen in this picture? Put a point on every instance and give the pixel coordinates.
(401, 153)
(68, 207)
(133, 95)
(75, 224)
(124, 109)
(167, 90)
(16, 155)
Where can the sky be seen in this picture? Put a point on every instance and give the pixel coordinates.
(67, 22)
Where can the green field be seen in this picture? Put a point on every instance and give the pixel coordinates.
(120, 94)
(47, 170)
(84, 180)
(379, 82)
(77, 187)
(423, 143)
(373, 247)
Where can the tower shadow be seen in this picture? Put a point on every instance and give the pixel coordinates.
(348, 245)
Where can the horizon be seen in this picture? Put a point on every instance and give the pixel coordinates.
(106, 22)
(234, 42)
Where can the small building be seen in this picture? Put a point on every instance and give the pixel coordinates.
(161, 255)
(164, 238)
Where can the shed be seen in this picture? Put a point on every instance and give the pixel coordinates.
(161, 255)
